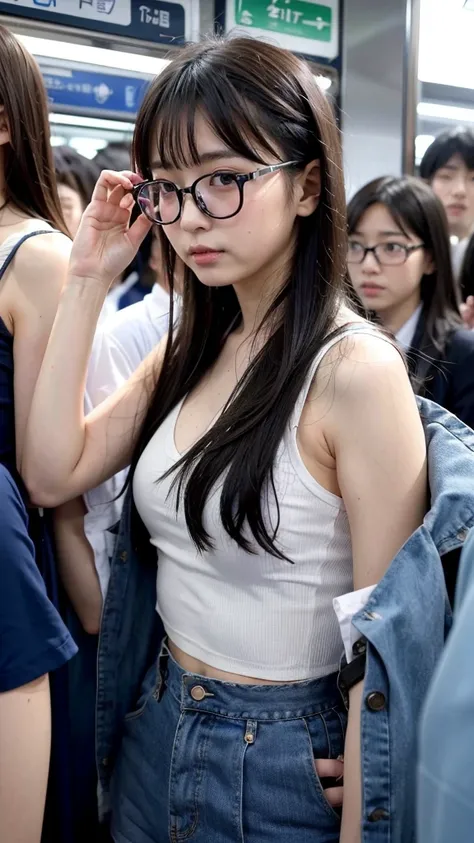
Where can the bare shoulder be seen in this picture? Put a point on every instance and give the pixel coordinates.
(364, 366)
(41, 255)
(358, 361)
(38, 274)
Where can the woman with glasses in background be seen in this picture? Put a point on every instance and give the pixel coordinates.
(400, 267)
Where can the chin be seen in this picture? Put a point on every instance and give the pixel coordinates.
(209, 279)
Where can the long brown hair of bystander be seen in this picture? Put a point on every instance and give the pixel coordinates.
(30, 183)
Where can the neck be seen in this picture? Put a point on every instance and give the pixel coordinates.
(256, 294)
(394, 318)
(461, 233)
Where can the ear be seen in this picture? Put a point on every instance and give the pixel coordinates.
(4, 127)
(429, 265)
(309, 189)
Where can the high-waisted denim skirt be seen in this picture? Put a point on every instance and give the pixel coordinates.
(207, 761)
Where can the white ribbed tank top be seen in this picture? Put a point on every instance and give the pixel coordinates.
(253, 615)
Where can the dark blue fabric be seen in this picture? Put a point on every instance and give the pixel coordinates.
(449, 376)
(33, 638)
(133, 295)
(7, 415)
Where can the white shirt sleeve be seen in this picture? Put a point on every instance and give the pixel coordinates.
(346, 606)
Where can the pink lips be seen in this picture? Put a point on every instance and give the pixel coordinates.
(204, 256)
(456, 209)
(371, 289)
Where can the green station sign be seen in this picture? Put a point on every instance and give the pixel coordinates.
(298, 18)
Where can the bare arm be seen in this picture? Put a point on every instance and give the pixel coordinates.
(76, 564)
(381, 469)
(36, 279)
(65, 453)
(25, 739)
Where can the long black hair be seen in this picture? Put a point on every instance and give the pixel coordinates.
(255, 97)
(417, 210)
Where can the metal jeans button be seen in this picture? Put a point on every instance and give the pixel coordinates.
(198, 693)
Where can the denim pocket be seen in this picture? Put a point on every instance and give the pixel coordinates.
(147, 690)
(331, 724)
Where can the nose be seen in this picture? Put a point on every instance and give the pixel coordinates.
(192, 218)
(459, 187)
(370, 264)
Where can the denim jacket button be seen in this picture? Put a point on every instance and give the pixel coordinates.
(376, 701)
(105, 762)
(124, 556)
(378, 814)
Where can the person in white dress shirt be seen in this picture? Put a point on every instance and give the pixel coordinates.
(400, 267)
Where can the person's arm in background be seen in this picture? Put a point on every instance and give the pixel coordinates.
(467, 312)
(76, 564)
(25, 741)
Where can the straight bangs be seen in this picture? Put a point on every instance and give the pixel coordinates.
(379, 192)
(165, 127)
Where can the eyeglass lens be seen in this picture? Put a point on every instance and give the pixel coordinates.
(219, 194)
(387, 254)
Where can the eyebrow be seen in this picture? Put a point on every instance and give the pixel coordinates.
(398, 233)
(450, 167)
(205, 158)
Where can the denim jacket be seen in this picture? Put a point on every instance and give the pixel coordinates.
(404, 625)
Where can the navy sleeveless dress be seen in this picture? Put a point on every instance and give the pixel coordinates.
(71, 805)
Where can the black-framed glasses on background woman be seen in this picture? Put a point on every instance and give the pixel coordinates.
(219, 195)
(386, 254)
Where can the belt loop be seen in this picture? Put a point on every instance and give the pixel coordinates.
(161, 673)
(250, 732)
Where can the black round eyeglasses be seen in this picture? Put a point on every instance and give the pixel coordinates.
(219, 195)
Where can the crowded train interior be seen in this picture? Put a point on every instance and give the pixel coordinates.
(236, 421)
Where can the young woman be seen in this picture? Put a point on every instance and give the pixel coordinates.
(34, 255)
(270, 464)
(399, 264)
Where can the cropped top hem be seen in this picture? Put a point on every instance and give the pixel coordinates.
(296, 673)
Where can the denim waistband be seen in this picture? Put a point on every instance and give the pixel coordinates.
(235, 700)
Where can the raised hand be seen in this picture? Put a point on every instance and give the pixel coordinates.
(105, 243)
(467, 312)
